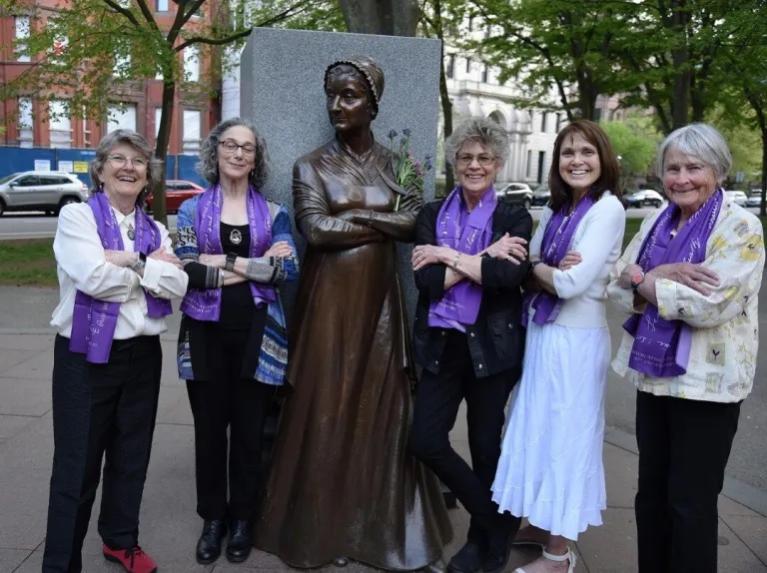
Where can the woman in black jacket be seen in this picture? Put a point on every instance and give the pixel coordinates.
(469, 264)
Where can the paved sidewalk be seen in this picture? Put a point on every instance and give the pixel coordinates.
(169, 525)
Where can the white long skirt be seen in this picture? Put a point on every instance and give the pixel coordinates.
(550, 469)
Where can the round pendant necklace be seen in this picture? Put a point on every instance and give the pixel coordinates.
(235, 237)
(131, 232)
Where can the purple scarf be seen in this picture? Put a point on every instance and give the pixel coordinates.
(468, 233)
(206, 304)
(94, 321)
(662, 347)
(557, 239)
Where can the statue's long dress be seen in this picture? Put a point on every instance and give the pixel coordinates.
(342, 482)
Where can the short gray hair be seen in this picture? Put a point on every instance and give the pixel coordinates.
(481, 130)
(699, 140)
(208, 164)
(105, 147)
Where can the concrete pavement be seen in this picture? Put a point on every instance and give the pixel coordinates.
(169, 525)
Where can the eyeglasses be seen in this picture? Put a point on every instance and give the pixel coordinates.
(231, 147)
(121, 161)
(465, 160)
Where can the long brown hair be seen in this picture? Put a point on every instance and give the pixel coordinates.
(609, 179)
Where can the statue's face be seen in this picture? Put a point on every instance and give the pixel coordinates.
(348, 103)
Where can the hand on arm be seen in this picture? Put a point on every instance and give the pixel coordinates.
(508, 248)
(457, 265)
(694, 276)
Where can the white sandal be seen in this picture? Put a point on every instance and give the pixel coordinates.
(558, 558)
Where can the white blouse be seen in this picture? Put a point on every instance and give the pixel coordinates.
(598, 239)
(81, 265)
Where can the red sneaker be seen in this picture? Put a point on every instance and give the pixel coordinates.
(133, 560)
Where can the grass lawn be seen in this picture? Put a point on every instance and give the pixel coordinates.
(29, 262)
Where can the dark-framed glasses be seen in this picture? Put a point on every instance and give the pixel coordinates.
(484, 159)
(120, 161)
(231, 146)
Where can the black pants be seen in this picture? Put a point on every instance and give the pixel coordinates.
(100, 410)
(228, 401)
(436, 407)
(683, 451)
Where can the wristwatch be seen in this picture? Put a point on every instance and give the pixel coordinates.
(637, 278)
(140, 263)
(230, 259)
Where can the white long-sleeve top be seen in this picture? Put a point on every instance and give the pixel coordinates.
(598, 238)
(82, 265)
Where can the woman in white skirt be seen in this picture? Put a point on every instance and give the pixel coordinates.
(550, 469)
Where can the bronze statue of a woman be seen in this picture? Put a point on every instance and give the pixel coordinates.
(342, 484)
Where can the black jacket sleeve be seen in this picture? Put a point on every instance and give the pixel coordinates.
(500, 274)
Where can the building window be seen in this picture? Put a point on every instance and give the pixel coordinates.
(529, 165)
(121, 116)
(162, 5)
(468, 65)
(450, 66)
(26, 121)
(541, 166)
(485, 72)
(22, 34)
(122, 65)
(86, 132)
(60, 124)
(192, 125)
(559, 122)
(192, 64)
(58, 49)
(544, 117)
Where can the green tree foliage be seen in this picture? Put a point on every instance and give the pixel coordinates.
(559, 44)
(92, 51)
(635, 141)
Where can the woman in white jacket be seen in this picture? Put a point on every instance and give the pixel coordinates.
(550, 469)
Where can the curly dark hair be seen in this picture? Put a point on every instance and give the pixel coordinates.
(208, 164)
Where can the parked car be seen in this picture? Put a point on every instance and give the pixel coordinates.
(644, 198)
(176, 192)
(541, 195)
(754, 198)
(517, 193)
(739, 197)
(45, 191)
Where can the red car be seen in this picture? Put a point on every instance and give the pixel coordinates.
(176, 192)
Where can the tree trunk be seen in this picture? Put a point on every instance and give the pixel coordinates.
(385, 17)
(680, 57)
(161, 152)
(444, 98)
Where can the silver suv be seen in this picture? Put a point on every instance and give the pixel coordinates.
(516, 193)
(45, 191)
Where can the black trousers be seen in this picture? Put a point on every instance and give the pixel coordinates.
(683, 450)
(100, 410)
(228, 401)
(436, 406)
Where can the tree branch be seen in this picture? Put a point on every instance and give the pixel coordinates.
(124, 11)
(212, 41)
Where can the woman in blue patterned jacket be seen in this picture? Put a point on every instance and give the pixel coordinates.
(237, 249)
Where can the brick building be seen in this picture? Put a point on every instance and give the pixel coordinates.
(134, 104)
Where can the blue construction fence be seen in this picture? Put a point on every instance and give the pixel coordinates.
(14, 159)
